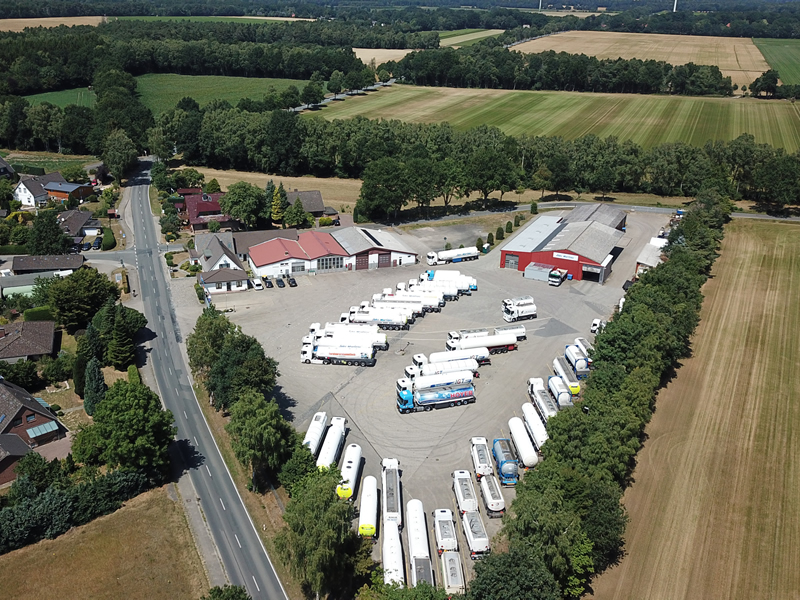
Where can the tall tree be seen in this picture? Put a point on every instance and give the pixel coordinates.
(79, 374)
(279, 204)
(95, 389)
(77, 297)
(121, 349)
(296, 216)
(384, 189)
(46, 236)
(91, 344)
(245, 202)
(240, 366)
(335, 83)
(203, 345)
(119, 154)
(312, 93)
(159, 145)
(515, 574)
(6, 193)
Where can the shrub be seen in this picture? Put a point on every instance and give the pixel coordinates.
(499, 234)
(479, 244)
(448, 246)
(59, 369)
(516, 220)
(201, 295)
(490, 239)
(12, 249)
(190, 244)
(133, 375)
(40, 313)
(55, 407)
(213, 226)
(168, 257)
(325, 222)
(534, 208)
(509, 227)
(109, 241)
(170, 237)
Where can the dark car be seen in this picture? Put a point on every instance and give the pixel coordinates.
(279, 283)
(267, 282)
(86, 246)
(97, 243)
(74, 249)
(292, 282)
(337, 223)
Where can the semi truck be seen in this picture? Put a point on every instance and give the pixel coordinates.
(391, 321)
(493, 500)
(577, 360)
(348, 327)
(365, 309)
(541, 399)
(480, 457)
(496, 344)
(406, 387)
(534, 425)
(452, 573)
(475, 534)
(465, 364)
(413, 308)
(419, 555)
(368, 511)
(522, 443)
(363, 356)
(451, 290)
(428, 303)
(432, 298)
(315, 433)
(560, 392)
(563, 369)
(466, 500)
(440, 397)
(517, 309)
(392, 503)
(332, 446)
(463, 334)
(444, 530)
(505, 461)
(443, 275)
(392, 556)
(556, 277)
(481, 355)
(517, 330)
(336, 337)
(351, 469)
(450, 256)
(585, 346)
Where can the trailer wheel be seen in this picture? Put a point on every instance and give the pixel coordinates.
(504, 350)
(362, 364)
(326, 361)
(428, 408)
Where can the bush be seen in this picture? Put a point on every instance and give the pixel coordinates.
(479, 244)
(190, 244)
(448, 246)
(55, 407)
(109, 241)
(59, 369)
(325, 222)
(133, 375)
(168, 257)
(11, 249)
(499, 234)
(534, 208)
(40, 313)
(516, 220)
(509, 227)
(490, 239)
(201, 295)
(170, 237)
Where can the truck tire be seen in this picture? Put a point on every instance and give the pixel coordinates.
(452, 404)
(428, 408)
(361, 363)
(307, 361)
(504, 350)
(326, 361)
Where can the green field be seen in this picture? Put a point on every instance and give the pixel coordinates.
(783, 56)
(647, 120)
(162, 91)
(443, 35)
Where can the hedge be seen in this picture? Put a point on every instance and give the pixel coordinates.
(109, 241)
(133, 374)
(13, 249)
(40, 313)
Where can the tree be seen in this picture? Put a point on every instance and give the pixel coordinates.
(212, 187)
(534, 207)
(244, 201)
(509, 227)
(448, 180)
(203, 345)
(159, 145)
(490, 239)
(119, 153)
(6, 193)
(240, 366)
(299, 465)
(489, 170)
(74, 174)
(514, 574)
(296, 216)
(121, 349)
(79, 375)
(335, 83)
(227, 592)
(46, 235)
(95, 388)
(214, 226)
(312, 93)
(383, 189)
(499, 234)
(280, 203)
(315, 542)
(77, 297)
(261, 438)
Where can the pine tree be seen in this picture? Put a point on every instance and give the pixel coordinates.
(95, 389)
(103, 320)
(79, 374)
(277, 204)
(121, 347)
(91, 345)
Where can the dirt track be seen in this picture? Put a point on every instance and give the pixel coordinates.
(714, 506)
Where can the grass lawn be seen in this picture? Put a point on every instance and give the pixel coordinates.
(144, 551)
(783, 56)
(647, 120)
(49, 161)
(712, 510)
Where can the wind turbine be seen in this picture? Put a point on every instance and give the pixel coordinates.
(675, 6)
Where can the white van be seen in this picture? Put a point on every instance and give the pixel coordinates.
(465, 492)
(257, 284)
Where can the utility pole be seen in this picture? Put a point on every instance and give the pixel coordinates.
(675, 6)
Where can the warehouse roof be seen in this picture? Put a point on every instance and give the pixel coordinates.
(650, 256)
(600, 213)
(317, 244)
(54, 262)
(589, 239)
(537, 232)
(357, 239)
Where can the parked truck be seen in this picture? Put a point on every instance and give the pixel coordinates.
(541, 399)
(465, 364)
(496, 344)
(413, 308)
(433, 298)
(315, 433)
(406, 387)
(481, 355)
(451, 290)
(419, 555)
(392, 556)
(331, 328)
(444, 530)
(577, 360)
(560, 392)
(363, 356)
(439, 397)
(463, 334)
(337, 337)
(332, 446)
(505, 461)
(450, 256)
(428, 303)
(522, 443)
(452, 573)
(475, 534)
(351, 469)
(585, 347)
(493, 500)
(517, 309)
(391, 321)
(480, 457)
(466, 500)
(444, 275)
(534, 425)
(368, 513)
(563, 369)
(393, 311)
(391, 501)
(517, 330)
(557, 277)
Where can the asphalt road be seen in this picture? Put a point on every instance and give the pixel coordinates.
(241, 551)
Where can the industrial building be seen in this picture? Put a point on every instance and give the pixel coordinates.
(583, 243)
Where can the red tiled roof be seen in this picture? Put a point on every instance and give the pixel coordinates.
(317, 244)
(275, 251)
(204, 207)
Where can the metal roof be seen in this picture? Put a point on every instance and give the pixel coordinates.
(48, 427)
(357, 239)
(650, 256)
(534, 234)
(600, 213)
(589, 239)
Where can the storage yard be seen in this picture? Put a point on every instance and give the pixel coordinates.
(430, 446)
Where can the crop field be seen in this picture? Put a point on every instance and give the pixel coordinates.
(20, 24)
(783, 56)
(144, 551)
(212, 19)
(379, 55)
(647, 120)
(737, 57)
(467, 39)
(162, 91)
(714, 505)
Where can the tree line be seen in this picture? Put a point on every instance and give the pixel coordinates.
(484, 66)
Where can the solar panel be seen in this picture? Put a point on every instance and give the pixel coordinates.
(372, 237)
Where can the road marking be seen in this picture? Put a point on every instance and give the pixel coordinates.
(176, 390)
(209, 471)
(184, 416)
(237, 540)
(195, 441)
(254, 581)
(223, 504)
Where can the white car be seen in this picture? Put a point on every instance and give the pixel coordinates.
(595, 326)
(257, 284)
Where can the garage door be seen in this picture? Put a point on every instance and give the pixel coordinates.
(512, 261)
(362, 262)
(384, 260)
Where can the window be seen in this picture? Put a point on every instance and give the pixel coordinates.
(328, 263)
(30, 418)
(224, 265)
(16, 422)
(219, 286)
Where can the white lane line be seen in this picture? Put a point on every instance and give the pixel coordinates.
(170, 370)
(254, 581)
(223, 504)
(195, 441)
(209, 471)
(237, 540)
(184, 416)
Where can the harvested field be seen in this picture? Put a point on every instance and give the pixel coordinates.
(214, 19)
(713, 509)
(379, 55)
(783, 56)
(647, 120)
(461, 40)
(20, 24)
(143, 551)
(737, 57)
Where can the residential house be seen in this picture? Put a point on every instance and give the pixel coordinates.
(30, 189)
(6, 170)
(27, 417)
(61, 190)
(222, 281)
(216, 254)
(12, 448)
(204, 208)
(373, 248)
(79, 223)
(26, 340)
(311, 201)
(21, 265)
(239, 242)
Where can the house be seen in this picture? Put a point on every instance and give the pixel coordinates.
(24, 284)
(27, 417)
(311, 201)
(6, 170)
(79, 223)
(216, 254)
(223, 280)
(203, 208)
(21, 265)
(373, 248)
(12, 448)
(58, 190)
(30, 189)
(26, 340)
(237, 241)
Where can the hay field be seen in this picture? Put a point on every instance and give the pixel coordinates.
(715, 500)
(20, 24)
(379, 55)
(737, 57)
(647, 120)
(468, 38)
(212, 19)
(783, 56)
(144, 551)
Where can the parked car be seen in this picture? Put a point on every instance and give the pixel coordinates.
(267, 283)
(292, 282)
(97, 243)
(595, 326)
(279, 283)
(75, 249)
(257, 284)
(86, 246)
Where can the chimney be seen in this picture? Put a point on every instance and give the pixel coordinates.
(2, 333)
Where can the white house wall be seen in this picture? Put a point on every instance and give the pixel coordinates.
(236, 286)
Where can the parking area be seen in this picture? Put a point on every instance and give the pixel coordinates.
(429, 445)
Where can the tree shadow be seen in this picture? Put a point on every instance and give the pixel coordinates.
(604, 198)
(285, 402)
(183, 457)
